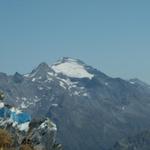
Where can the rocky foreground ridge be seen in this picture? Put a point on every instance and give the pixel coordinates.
(92, 111)
(19, 132)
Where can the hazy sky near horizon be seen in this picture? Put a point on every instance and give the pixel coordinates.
(111, 35)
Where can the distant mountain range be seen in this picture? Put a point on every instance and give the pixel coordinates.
(92, 111)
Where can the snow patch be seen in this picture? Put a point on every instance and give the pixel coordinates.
(26, 75)
(62, 84)
(72, 69)
(24, 98)
(85, 94)
(17, 111)
(40, 88)
(23, 106)
(2, 105)
(24, 126)
(82, 88)
(50, 73)
(33, 80)
(68, 82)
(55, 105)
(77, 93)
(131, 82)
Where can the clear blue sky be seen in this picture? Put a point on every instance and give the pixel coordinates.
(111, 35)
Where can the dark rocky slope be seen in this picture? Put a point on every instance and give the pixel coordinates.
(140, 141)
(90, 109)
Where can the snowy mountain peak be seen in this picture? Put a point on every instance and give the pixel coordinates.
(69, 59)
(72, 68)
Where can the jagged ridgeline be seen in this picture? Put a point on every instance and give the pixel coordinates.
(18, 131)
(91, 110)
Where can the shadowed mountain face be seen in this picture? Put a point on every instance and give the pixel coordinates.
(140, 141)
(90, 109)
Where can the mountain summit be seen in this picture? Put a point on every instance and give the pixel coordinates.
(72, 68)
(90, 109)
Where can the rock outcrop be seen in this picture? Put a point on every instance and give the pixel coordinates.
(26, 133)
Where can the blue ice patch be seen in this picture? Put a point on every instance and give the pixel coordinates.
(5, 112)
(23, 117)
(19, 118)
